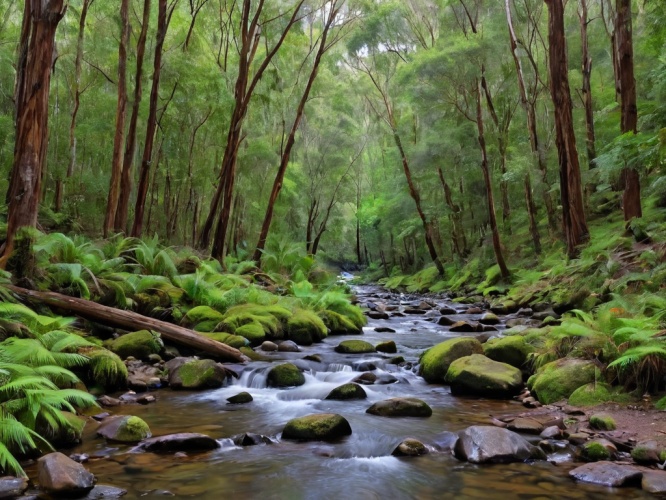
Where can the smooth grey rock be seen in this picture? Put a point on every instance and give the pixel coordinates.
(488, 444)
(607, 474)
(400, 407)
(184, 441)
(12, 487)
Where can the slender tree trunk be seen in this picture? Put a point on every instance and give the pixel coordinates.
(531, 213)
(32, 113)
(457, 231)
(631, 198)
(586, 89)
(76, 95)
(497, 246)
(573, 213)
(151, 127)
(121, 112)
(130, 138)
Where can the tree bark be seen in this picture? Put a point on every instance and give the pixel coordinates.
(573, 213)
(457, 231)
(120, 224)
(497, 245)
(121, 113)
(631, 198)
(32, 113)
(586, 89)
(132, 321)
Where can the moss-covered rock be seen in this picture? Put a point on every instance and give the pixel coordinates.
(270, 317)
(227, 338)
(591, 395)
(105, 368)
(125, 429)
(602, 422)
(253, 332)
(410, 448)
(240, 398)
(305, 327)
(317, 427)
(347, 391)
(512, 350)
(339, 324)
(354, 347)
(477, 375)
(648, 453)
(435, 361)
(139, 344)
(388, 347)
(201, 314)
(594, 451)
(285, 375)
(195, 374)
(558, 379)
(400, 407)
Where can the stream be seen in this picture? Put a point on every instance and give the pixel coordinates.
(358, 467)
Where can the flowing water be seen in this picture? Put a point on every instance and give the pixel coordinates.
(358, 467)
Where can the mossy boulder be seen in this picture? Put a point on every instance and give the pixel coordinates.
(241, 398)
(647, 453)
(227, 338)
(595, 451)
(435, 361)
(105, 368)
(202, 314)
(347, 391)
(400, 407)
(512, 350)
(602, 422)
(339, 324)
(139, 344)
(125, 429)
(477, 375)
(305, 327)
(591, 394)
(558, 379)
(285, 375)
(410, 448)
(388, 347)
(354, 347)
(195, 374)
(317, 427)
(269, 317)
(253, 332)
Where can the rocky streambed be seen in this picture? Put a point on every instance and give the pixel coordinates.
(392, 434)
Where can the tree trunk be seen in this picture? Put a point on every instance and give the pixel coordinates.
(121, 112)
(586, 90)
(132, 321)
(457, 231)
(531, 214)
(497, 246)
(144, 176)
(76, 94)
(120, 225)
(573, 213)
(631, 198)
(32, 113)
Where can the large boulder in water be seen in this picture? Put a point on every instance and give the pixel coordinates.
(347, 391)
(607, 474)
(488, 444)
(124, 429)
(195, 374)
(559, 379)
(410, 448)
(184, 441)
(477, 375)
(512, 350)
(60, 475)
(354, 347)
(435, 361)
(285, 375)
(317, 427)
(400, 407)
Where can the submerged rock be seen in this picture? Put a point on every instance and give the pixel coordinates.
(435, 361)
(317, 427)
(488, 444)
(124, 429)
(347, 391)
(410, 448)
(184, 441)
(60, 475)
(607, 474)
(104, 491)
(285, 375)
(478, 375)
(400, 407)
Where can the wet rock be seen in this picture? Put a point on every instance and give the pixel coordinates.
(104, 491)
(250, 439)
(526, 425)
(124, 429)
(400, 407)
(377, 315)
(489, 319)
(108, 401)
(313, 357)
(384, 329)
(240, 398)
(269, 346)
(396, 360)
(354, 347)
(597, 450)
(487, 444)
(647, 452)
(365, 366)
(445, 441)
(478, 375)
(195, 374)
(474, 310)
(465, 327)
(559, 379)
(654, 482)
(447, 311)
(387, 347)
(410, 448)
(317, 427)
(385, 379)
(413, 310)
(607, 474)
(185, 441)
(60, 475)
(512, 350)
(346, 392)
(288, 346)
(525, 311)
(435, 361)
(552, 432)
(12, 487)
(548, 313)
(285, 375)
(367, 378)
(578, 437)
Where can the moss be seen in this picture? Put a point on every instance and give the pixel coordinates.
(105, 368)
(594, 451)
(201, 314)
(139, 344)
(591, 395)
(478, 375)
(337, 323)
(347, 391)
(227, 338)
(253, 332)
(602, 423)
(354, 347)
(285, 375)
(133, 430)
(512, 350)
(319, 427)
(557, 380)
(198, 374)
(661, 404)
(305, 327)
(435, 361)
(269, 317)
(647, 453)
(241, 398)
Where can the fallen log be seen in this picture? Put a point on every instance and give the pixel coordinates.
(133, 321)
